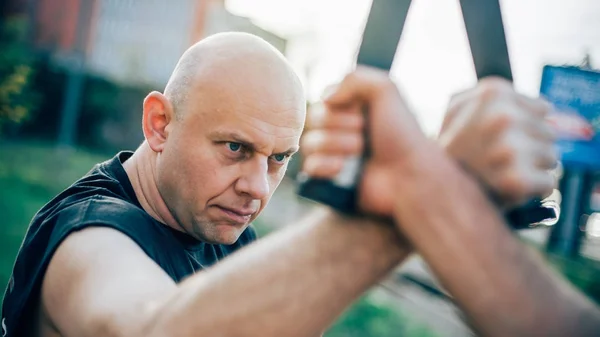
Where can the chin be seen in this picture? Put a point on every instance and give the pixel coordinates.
(227, 239)
(223, 235)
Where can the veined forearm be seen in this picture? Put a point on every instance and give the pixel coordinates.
(293, 283)
(504, 288)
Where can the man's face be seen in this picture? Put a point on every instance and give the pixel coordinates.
(226, 155)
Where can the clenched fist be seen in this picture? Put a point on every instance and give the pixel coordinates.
(336, 133)
(496, 134)
(502, 138)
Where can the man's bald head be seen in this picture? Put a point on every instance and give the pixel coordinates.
(222, 134)
(229, 61)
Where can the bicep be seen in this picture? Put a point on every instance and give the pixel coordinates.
(100, 282)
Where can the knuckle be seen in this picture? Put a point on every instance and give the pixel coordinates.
(385, 84)
(315, 116)
(553, 158)
(373, 81)
(500, 121)
(548, 132)
(546, 191)
(355, 144)
(359, 121)
(453, 100)
(311, 140)
(514, 185)
(332, 89)
(322, 166)
(353, 76)
(493, 87)
(309, 165)
(371, 74)
(454, 109)
(549, 153)
(505, 155)
(545, 186)
(544, 107)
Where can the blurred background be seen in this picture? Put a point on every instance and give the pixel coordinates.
(73, 74)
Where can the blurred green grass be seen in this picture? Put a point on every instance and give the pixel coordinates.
(31, 174)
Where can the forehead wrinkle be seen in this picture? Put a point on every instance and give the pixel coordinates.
(265, 141)
(276, 129)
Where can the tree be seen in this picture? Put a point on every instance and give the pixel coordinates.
(18, 99)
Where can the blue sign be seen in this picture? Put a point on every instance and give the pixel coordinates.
(575, 95)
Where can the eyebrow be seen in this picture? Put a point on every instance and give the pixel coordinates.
(290, 151)
(238, 138)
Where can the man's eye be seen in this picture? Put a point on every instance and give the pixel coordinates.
(234, 147)
(280, 158)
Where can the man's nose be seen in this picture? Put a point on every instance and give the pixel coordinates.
(254, 180)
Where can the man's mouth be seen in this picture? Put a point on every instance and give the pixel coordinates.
(237, 215)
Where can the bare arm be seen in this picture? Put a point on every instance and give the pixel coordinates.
(505, 289)
(293, 283)
(498, 136)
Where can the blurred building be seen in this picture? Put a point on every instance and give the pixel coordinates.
(132, 42)
(101, 58)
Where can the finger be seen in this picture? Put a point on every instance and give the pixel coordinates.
(521, 185)
(510, 116)
(518, 145)
(362, 84)
(494, 86)
(314, 114)
(332, 142)
(456, 107)
(535, 107)
(500, 123)
(540, 129)
(460, 99)
(541, 185)
(329, 90)
(347, 118)
(546, 157)
(480, 101)
(511, 148)
(499, 157)
(486, 90)
(323, 166)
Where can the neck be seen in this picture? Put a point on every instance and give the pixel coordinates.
(141, 170)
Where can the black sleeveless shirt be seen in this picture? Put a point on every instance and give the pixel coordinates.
(103, 197)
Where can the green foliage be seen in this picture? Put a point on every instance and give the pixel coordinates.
(17, 97)
(373, 316)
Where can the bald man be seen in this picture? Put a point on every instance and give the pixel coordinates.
(119, 252)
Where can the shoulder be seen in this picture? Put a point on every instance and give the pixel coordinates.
(107, 179)
(113, 213)
(96, 210)
(102, 209)
(91, 271)
(88, 225)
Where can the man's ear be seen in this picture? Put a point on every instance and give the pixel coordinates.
(158, 114)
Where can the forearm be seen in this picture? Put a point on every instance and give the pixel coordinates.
(505, 289)
(292, 283)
